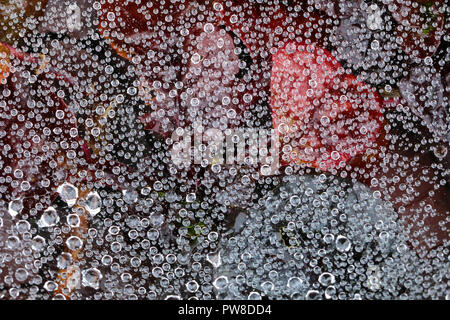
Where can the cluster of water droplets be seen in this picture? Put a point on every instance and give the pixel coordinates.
(92, 205)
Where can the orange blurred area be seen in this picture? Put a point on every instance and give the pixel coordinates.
(5, 64)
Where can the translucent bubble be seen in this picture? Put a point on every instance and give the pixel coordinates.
(13, 242)
(107, 260)
(111, 16)
(38, 243)
(375, 45)
(116, 247)
(295, 283)
(330, 292)
(73, 220)
(226, 101)
(374, 19)
(267, 286)
(59, 114)
(196, 58)
(231, 113)
(93, 203)
(324, 120)
(266, 170)
(109, 69)
(173, 297)
(209, 28)
(218, 6)
(214, 259)
(254, 296)
(132, 91)
(64, 261)
(313, 295)
(74, 243)
(326, 279)
(130, 196)
(50, 286)
(68, 193)
(343, 244)
(335, 155)
(294, 200)
(247, 98)
(348, 203)
(152, 234)
(158, 186)
(221, 282)
(21, 274)
(192, 286)
(15, 207)
(18, 174)
(91, 278)
(23, 226)
(190, 197)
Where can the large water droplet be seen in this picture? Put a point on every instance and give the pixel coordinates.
(68, 193)
(91, 278)
(15, 207)
(74, 243)
(343, 244)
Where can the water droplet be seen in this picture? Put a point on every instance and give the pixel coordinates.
(343, 244)
(74, 243)
(192, 286)
(38, 243)
(68, 193)
(326, 279)
(91, 278)
(190, 197)
(64, 261)
(15, 207)
(49, 218)
(93, 203)
(221, 283)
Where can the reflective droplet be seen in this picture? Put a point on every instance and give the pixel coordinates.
(93, 203)
(220, 283)
(68, 193)
(74, 243)
(343, 244)
(326, 279)
(15, 207)
(91, 278)
(49, 218)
